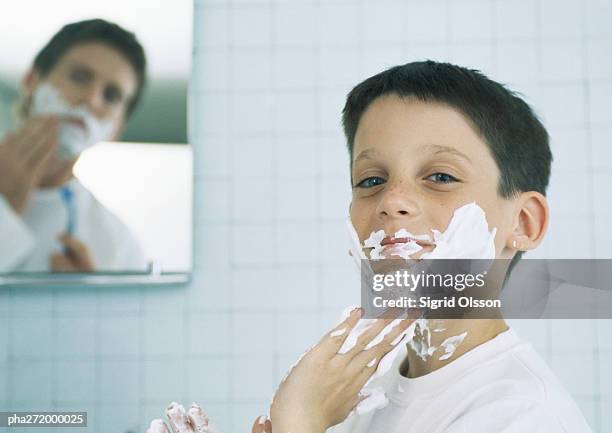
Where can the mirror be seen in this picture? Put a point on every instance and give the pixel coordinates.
(95, 165)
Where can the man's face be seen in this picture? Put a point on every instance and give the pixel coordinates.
(97, 76)
(414, 163)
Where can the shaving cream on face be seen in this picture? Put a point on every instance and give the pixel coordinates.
(403, 250)
(466, 237)
(73, 138)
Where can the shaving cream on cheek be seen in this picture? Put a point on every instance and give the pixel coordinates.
(466, 237)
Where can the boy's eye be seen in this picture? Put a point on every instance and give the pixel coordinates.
(441, 178)
(369, 182)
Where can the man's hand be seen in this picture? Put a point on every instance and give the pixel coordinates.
(23, 157)
(75, 258)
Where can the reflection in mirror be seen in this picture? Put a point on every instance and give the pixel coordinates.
(95, 170)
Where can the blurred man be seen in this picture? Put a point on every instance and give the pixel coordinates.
(83, 85)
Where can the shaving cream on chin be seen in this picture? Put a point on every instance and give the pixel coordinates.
(73, 138)
(466, 237)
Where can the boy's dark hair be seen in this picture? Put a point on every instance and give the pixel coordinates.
(516, 138)
(95, 30)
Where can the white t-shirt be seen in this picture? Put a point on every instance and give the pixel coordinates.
(501, 386)
(28, 240)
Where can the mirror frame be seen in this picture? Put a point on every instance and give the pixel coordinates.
(99, 279)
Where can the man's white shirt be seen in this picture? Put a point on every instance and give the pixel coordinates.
(27, 241)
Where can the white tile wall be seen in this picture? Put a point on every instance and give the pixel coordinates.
(269, 82)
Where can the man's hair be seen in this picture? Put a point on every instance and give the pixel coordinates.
(95, 30)
(515, 136)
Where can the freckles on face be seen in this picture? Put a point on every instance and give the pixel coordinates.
(415, 163)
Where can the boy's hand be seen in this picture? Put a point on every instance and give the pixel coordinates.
(262, 424)
(23, 157)
(192, 421)
(75, 258)
(195, 421)
(324, 386)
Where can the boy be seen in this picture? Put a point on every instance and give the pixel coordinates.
(427, 139)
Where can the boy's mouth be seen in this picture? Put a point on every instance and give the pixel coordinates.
(401, 244)
(390, 240)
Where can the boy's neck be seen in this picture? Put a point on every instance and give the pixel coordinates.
(478, 331)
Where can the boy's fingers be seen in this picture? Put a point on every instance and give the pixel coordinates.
(357, 399)
(198, 419)
(157, 426)
(393, 338)
(178, 419)
(374, 333)
(262, 424)
(333, 340)
(366, 363)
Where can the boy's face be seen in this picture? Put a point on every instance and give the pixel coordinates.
(414, 163)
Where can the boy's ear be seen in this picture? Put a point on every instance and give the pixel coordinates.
(531, 221)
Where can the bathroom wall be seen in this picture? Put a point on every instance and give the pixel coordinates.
(271, 194)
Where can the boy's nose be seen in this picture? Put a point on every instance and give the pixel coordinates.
(398, 202)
